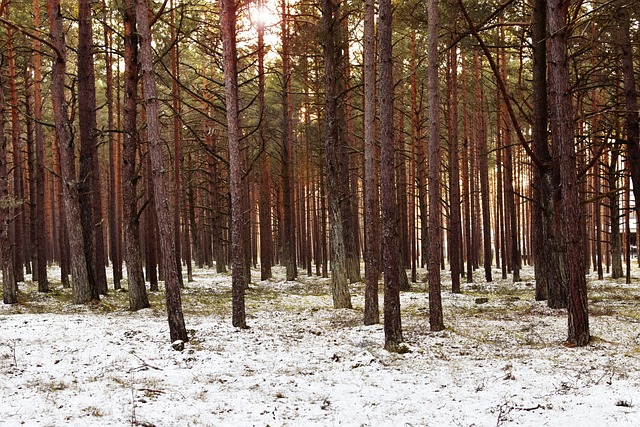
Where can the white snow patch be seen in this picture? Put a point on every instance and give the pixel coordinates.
(304, 363)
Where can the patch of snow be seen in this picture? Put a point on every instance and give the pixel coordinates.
(303, 363)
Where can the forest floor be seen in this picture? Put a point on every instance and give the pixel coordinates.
(302, 363)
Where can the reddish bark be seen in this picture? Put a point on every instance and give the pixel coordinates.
(228, 25)
(177, 329)
(455, 231)
(632, 118)
(31, 253)
(336, 155)
(57, 198)
(289, 231)
(349, 175)
(483, 166)
(40, 242)
(371, 201)
(266, 237)
(435, 208)
(115, 193)
(562, 137)
(177, 140)
(18, 223)
(138, 298)
(89, 184)
(514, 244)
(390, 251)
(81, 287)
(9, 283)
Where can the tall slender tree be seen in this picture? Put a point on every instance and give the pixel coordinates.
(562, 137)
(289, 229)
(177, 329)
(509, 194)
(31, 173)
(18, 222)
(228, 16)
(371, 202)
(455, 231)
(266, 237)
(549, 257)
(632, 117)
(614, 209)
(177, 139)
(80, 277)
(390, 250)
(336, 156)
(138, 298)
(40, 242)
(115, 192)
(483, 166)
(435, 208)
(9, 282)
(90, 203)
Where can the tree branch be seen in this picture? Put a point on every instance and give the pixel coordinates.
(31, 35)
(501, 85)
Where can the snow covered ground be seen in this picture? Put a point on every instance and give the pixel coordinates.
(302, 363)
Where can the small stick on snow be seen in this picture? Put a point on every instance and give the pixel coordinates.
(145, 364)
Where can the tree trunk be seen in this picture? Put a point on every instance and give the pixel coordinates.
(218, 219)
(614, 213)
(177, 329)
(138, 298)
(317, 249)
(390, 250)
(9, 282)
(627, 228)
(177, 142)
(81, 287)
(115, 193)
(247, 209)
(371, 195)
(150, 226)
(18, 214)
(401, 195)
(435, 208)
(308, 194)
(57, 195)
(483, 165)
(510, 194)
(40, 243)
(549, 258)
(228, 26)
(323, 227)
(289, 231)
(562, 136)
(455, 232)
(540, 146)
(194, 230)
(349, 175)
(19, 221)
(415, 158)
(266, 237)
(31, 250)
(632, 121)
(337, 194)
(597, 213)
(466, 179)
(89, 187)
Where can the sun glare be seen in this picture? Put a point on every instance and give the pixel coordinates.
(264, 15)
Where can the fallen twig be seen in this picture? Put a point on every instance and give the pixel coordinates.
(533, 408)
(145, 364)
